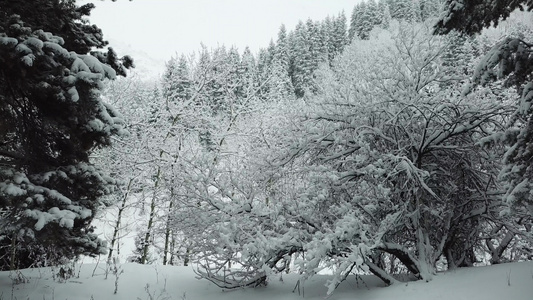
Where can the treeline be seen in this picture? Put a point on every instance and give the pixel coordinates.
(286, 67)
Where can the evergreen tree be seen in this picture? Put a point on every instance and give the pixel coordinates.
(472, 16)
(264, 67)
(359, 24)
(279, 84)
(317, 49)
(52, 118)
(176, 80)
(233, 76)
(250, 75)
(367, 15)
(216, 80)
(307, 51)
(458, 56)
(373, 13)
(510, 60)
(354, 20)
(384, 10)
(281, 53)
(400, 9)
(327, 30)
(340, 37)
(414, 11)
(271, 51)
(300, 70)
(369, 18)
(429, 8)
(263, 72)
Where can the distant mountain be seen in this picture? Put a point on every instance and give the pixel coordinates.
(146, 66)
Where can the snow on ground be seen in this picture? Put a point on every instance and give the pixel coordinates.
(506, 281)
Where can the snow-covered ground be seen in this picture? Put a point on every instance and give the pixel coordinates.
(506, 281)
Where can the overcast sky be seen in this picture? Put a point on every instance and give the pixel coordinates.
(162, 28)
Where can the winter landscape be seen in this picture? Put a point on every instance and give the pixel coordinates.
(380, 153)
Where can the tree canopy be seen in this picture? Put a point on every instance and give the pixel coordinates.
(471, 16)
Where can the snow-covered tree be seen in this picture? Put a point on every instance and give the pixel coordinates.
(388, 156)
(381, 173)
(511, 61)
(52, 119)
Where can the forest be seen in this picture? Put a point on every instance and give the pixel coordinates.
(395, 141)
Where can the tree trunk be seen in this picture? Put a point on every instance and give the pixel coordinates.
(380, 273)
(13, 252)
(118, 222)
(168, 232)
(402, 256)
(146, 242)
(496, 253)
(172, 250)
(187, 257)
(426, 265)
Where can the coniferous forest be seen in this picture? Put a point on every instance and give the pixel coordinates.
(393, 140)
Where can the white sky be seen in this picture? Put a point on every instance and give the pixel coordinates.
(162, 28)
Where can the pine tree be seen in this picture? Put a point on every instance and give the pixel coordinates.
(340, 37)
(510, 60)
(472, 16)
(414, 11)
(263, 72)
(359, 23)
(264, 67)
(52, 118)
(177, 80)
(281, 54)
(458, 56)
(368, 19)
(307, 51)
(279, 84)
(300, 69)
(384, 10)
(354, 20)
(317, 49)
(250, 73)
(233, 75)
(400, 9)
(374, 15)
(327, 29)
(429, 8)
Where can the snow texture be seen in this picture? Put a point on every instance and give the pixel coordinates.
(504, 281)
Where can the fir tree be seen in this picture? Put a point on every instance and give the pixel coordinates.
(301, 60)
(264, 67)
(414, 11)
(472, 16)
(368, 19)
(52, 119)
(400, 9)
(340, 37)
(354, 19)
(384, 10)
(327, 29)
(429, 8)
(176, 80)
(279, 84)
(250, 73)
(281, 54)
(511, 61)
(357, 23)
